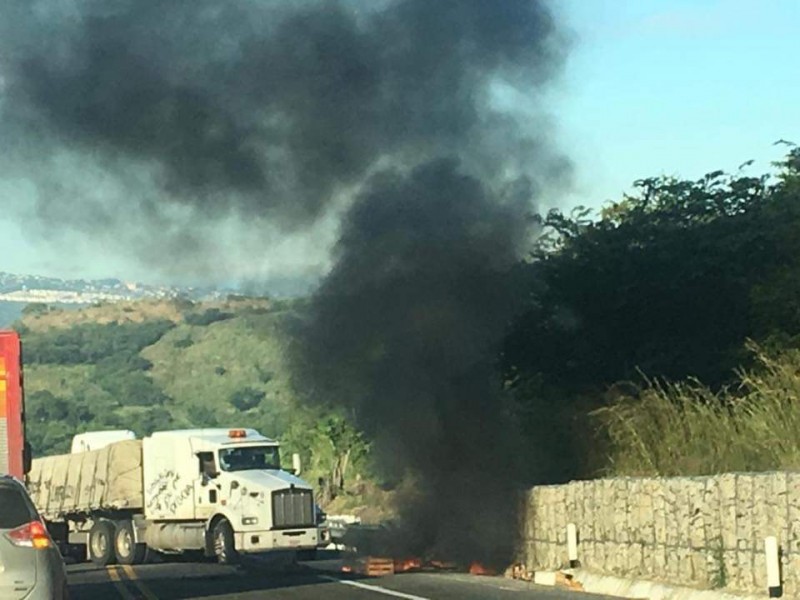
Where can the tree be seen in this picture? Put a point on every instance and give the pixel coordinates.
(331, 447)
(153, 419)
(212, 315)
(91, 342)
(345, 440)
(669, 282)
(246, 398)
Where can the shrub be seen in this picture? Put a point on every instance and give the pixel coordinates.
(183, 342)
(671, 429)
(246, 398)
(212, 315)
(90, 342)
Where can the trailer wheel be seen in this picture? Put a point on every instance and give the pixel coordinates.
(223, 544)
(128, 551)
(101, 543)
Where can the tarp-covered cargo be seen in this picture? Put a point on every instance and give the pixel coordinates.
(105, 479)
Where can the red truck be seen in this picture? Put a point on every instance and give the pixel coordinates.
(14, 451)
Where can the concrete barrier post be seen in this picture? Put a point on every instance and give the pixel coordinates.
(572, 545)
(773, 567)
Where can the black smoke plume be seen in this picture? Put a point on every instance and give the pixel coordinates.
(264, 108)
(406, 330)
(146, 122)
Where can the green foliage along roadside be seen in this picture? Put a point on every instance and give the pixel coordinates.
(670, 283)
(664, 290)
(685, 428)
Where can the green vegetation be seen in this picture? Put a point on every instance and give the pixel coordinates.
(209, 367)
(662, 338)
(687, 429)
(91, 342)
(669, 284)
(719, 570)
(247, 399)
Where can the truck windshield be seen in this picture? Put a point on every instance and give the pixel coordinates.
(249, 458)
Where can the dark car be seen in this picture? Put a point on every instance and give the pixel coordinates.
(31, 567)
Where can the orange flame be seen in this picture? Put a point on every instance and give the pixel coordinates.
(477, 568)
(407, 564)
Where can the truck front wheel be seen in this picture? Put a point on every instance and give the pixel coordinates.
(128, 551)
(101, 543)
(223, 543)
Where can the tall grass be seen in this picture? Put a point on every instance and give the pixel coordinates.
(684, 428)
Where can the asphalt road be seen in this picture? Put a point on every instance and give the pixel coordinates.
(309, 581)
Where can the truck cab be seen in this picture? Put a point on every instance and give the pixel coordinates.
(219, 492)
(230, 480)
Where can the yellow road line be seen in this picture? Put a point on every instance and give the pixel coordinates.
(117, 581)
(140, 585)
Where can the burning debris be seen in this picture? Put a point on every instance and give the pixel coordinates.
(405, 565)
(369, 566)
(477, 568)
(377, 566)
(148, 123)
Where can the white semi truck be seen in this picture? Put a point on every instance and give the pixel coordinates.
(221, 492)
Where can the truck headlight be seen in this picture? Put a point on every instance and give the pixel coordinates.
(249, 520)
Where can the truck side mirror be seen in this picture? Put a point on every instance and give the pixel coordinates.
(297, 465)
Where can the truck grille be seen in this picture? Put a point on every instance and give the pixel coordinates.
(292, 508)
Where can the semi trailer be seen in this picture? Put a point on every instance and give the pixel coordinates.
(219, 492)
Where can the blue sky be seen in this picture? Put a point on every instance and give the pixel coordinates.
(651, 87)
(676, 87)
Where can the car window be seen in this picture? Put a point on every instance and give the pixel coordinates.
(14, 510)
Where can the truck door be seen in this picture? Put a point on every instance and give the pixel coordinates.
(206, 492)
(169, 470)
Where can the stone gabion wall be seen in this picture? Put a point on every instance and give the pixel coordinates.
(705, 532)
